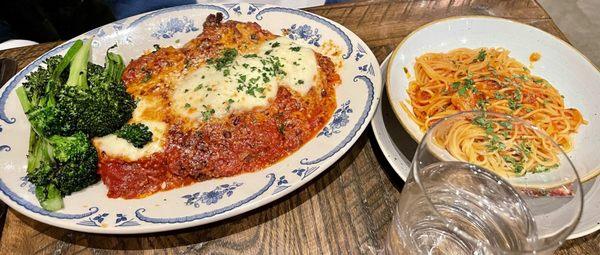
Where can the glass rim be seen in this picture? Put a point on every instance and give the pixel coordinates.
(577, 181)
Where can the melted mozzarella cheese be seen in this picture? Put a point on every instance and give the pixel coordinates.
(245, 82)
(210, 92)
(117, 147)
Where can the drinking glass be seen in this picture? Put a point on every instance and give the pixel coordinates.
(456, 201)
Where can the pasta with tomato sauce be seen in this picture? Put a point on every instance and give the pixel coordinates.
(488, 79)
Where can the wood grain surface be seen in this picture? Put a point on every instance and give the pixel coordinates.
(346, 209)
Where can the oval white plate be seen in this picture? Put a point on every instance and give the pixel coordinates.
(579, 85)
(91, 211)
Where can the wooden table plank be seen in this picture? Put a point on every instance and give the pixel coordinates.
(345, 210)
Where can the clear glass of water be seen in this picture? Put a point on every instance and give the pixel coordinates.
(486, 183)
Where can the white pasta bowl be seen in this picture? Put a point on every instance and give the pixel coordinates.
(563, 66)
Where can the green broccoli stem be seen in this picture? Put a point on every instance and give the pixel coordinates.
(27, 106)
(22, 95)
(114, 65)
(39, 149)
(66, 60)
(50, 197)
(78, 70)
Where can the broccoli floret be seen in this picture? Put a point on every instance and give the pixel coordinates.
(38, 94)
(65, 148)
(137, 134)
(66, 164)
(95, 101)
(79, 171)
(92, 98)
(50, 197)
(35, 86)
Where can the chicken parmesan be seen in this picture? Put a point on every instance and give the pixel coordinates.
(235, 99)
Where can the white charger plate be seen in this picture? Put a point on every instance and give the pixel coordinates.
(580, 88)
(91, 211)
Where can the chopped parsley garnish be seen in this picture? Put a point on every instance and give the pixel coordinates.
(516, 165)
(484, 123)
(482, 103)
(275, 45)
(467, 85)
(252, 90)
(525, 149)
(296, 49)
(177, 41)
(241, 78)
(281, 128)
(250, 56)
(480, 57)
(245, 65)
(207, 113)
(541, 169)
(538, 81)
(518, 95)
(266, 78)
(498, 95)
(187, 105)
(225, 60)
(268, 52)
(300, 82)
(494, 144)
(506, 124)
(156, 47)
(521, 76)
(514, 103)
(229, 102)
(199, 87)
(186, 90)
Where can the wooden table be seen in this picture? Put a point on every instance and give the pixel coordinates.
(345, 210)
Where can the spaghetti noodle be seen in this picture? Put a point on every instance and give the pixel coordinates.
(487, 79)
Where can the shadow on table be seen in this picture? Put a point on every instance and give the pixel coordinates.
(193, 239)
(402, 140)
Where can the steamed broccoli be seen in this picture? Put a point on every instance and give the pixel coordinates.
(94, 99)
(65, 109)
(39, 94)
(89, 98)
(137, 134)
(63, 164)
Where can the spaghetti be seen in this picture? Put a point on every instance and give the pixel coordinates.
(487, 79)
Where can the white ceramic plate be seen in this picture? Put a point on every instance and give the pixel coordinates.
(562, 65)
(91, 211)
(579, 85)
